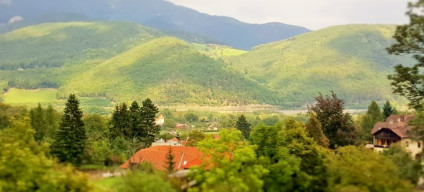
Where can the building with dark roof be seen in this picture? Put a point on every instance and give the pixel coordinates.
(395, 130)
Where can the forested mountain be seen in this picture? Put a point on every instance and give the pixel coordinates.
(349, 59)
(123, 61)
(175, 20)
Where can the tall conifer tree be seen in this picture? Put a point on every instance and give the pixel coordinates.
(135, 120)
(70, 139)
(243, 126)
(388, 110)
(38, 122)
(373, 116)
(147, 119)
(169, 161)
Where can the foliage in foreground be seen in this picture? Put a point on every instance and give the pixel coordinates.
(25, 166)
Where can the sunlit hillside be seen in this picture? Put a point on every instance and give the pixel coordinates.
(350, 60)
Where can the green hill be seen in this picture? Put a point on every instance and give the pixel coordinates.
(350, 59)
(120, 62)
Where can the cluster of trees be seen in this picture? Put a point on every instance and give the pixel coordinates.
(134, 126)
(26, 164)
(284, 158)
(323, 154)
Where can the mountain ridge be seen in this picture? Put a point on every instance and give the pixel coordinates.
(160, 14)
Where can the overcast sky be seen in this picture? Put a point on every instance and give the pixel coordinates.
(313, 14)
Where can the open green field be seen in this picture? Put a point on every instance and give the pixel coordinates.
(24, 96)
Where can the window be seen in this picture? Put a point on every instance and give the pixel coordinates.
(419, 144)
(407, 143)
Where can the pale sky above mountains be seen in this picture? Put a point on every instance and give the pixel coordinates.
(313, 14)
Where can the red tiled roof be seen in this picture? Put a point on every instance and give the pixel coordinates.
(156, 155)
(396, 123)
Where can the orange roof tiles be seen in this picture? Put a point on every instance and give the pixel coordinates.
(185, 157)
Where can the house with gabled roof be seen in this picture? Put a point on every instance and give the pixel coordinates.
(395, 130)
(185, 157)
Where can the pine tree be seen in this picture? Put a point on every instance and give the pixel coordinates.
(51, 118)
(243, 126)
(169, 161)
(135, 128)
(147, 121)
(120, 123)
(373, 116)
(69, 143)
(388, 110)
(38, 122)
(314, 129)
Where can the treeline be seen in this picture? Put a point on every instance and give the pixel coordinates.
(320, 151)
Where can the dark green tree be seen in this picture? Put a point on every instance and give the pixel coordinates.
(338, 127)
(243, 126)
(69, 143)
(388, 110)
(314, 130)
(373, 116)
(38, 122)
(409, 81)
(134, 117)
(169, 161)
(52, 119)
(147, 121)
(120, 122)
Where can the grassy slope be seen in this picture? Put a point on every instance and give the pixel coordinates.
(351, 60)
(170, 71)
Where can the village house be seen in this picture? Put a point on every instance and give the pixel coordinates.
(395, 130)
(185, 157)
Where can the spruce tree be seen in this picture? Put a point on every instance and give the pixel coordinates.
(69, 143)
(120, 123)
(243, 126)
(169, 161)
(373, 116)
(388, 110)
(38, 122)
(135, 120)
(314, 129)
(52, 121)
(147, 121)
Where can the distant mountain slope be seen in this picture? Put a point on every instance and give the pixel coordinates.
(131, 65)
(350, 59)
(175, 20)
(121, 61)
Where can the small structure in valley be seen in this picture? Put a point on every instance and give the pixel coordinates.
(160, 120)
(395, 130)
(170, 142)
